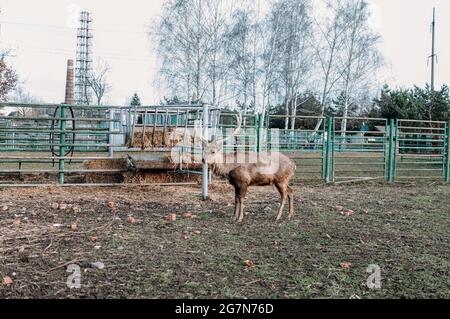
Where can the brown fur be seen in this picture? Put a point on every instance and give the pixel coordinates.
(247, 169)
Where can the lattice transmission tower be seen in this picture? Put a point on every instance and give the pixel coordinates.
(83, 94)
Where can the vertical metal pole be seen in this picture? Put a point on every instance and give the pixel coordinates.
(385, 154)
(333, 134)
(62, 141)
(396, 149)
(328, 150)
(433, 52)
(134, 126)
(447, 155)
(258, 132)
(390, 175)
(205, 175)
(111, 136)
(324, 149)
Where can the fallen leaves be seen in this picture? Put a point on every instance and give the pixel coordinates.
(7, 281)
(345, 265)
(74, 227)
(347, 213)
(76, 209)
(111, 205)
(170, 218)
(344, 212)
(131, 220)
(187, 215)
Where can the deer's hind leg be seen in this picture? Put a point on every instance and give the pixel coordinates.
(237, 203)
(283, 189)
(242, 194)
(290, 194)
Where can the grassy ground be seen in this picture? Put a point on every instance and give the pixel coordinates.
(320, 254)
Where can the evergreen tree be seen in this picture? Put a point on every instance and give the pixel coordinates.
(413, 104)
(135, 100)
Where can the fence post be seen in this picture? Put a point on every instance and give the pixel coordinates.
(111, 136)
(390, 175)
(328, 150)
(258, 133)
(62, 142)
(447, 155)
(205, 175)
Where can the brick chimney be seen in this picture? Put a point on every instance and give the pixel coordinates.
(70, 82)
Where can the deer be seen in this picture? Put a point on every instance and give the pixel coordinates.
(246, 169)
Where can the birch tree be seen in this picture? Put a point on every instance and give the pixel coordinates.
(293, 51)
(361, 58)
(329, 42)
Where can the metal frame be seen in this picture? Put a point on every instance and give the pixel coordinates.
(406, 149)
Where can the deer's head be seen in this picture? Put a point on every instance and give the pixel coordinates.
(213, 150)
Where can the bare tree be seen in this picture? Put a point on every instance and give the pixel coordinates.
(294, 56)
(22, 96)
(361, 58)
(98, 81)
(183, 46)
(329, 42)
(240, 57)
(261, 54)
(269, 30)
(8, 77)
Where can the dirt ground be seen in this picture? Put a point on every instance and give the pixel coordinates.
(126, 249)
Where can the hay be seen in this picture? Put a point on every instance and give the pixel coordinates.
(169, 137)
(155, 176)
(142, 176)
(114, 163)
(92, 178)
(103, 178)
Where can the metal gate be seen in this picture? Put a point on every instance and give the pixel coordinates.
(421, 150)
(51, 143)
(361, 149)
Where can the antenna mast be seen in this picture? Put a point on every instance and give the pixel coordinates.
(433, 52)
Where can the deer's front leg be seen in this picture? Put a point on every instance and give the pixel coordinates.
(237, 207)
(282, 188)
(242, 194)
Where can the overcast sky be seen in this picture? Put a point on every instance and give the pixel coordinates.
(43, 34)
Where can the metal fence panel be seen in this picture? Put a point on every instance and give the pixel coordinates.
(56, 140)
(421, 149)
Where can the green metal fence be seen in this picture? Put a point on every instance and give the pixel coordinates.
(48, 143)
(421, 149)
(56, 140)
(337, 149)
(53, 140)
(306, 143)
